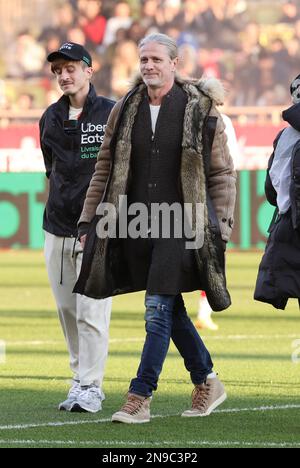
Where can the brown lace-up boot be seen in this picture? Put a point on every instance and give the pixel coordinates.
(135, 411)
(206, 398)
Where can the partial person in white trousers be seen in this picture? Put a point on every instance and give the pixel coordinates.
(204, 316)
(71, 133)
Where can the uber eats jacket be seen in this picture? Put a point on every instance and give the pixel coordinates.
(70, 150)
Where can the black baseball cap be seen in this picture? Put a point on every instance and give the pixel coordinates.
(72, 51)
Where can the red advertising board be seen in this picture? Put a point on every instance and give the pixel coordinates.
(255, 144)
(20, 148)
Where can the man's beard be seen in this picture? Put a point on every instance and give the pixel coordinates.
(154, 83)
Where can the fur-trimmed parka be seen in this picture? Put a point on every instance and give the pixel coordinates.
(206, 176)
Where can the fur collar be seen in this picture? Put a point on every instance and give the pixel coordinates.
(211, 87)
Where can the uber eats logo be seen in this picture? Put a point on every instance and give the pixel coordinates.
(22, 199)
(91, 139)
(92, 134)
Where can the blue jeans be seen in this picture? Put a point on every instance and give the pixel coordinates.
(166, 318)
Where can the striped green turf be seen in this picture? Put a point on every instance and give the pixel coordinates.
(252, 352)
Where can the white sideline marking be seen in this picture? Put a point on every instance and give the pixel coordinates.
(97, 421)
(138, 340)
(260, 408)
(128, 443)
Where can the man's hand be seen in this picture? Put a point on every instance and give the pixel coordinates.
(83, 240)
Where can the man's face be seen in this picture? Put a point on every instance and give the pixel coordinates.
(156, 66)
(72, 77)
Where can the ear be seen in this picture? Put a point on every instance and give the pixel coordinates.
(90, 72)
(175, 63)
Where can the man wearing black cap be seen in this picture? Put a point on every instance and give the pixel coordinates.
(71, 133)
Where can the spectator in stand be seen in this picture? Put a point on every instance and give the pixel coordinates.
(102, 75)
(265, 83)
(110, 51)
(52, 41)
(293, 48)
(4, 104)
(108, 7)
(170, 10)
(290, 12)
(282, 61)
(125, 65)
(52, 96)
(250, 38)
(191, 17)
(273, 97)
(209, 63)
(121, 20)
(149, 13)
(187, 66)
(76, 35)
(92, 22)
(204, 24)
(161, 13)
(25, 102)
(243, 90)
(230, 18)
(26, 57)
(136, 32)
(2, 65)
(64, 20)
(296, 27)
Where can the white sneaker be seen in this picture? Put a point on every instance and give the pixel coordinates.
(204, 319)
(74, 392)
(206, 323)
(88, 401)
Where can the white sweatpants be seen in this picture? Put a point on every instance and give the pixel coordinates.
(85, 321)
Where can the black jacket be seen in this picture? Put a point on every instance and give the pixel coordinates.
(163, 265)
(70, 150)
(278, 277)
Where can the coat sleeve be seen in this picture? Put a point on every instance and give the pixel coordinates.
(102, 170)
(46, 151)
(270, 192)
(222, 179)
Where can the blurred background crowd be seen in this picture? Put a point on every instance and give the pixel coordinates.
(253, 46)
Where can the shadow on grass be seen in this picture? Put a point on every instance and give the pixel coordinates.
(233, 423)
(123, 380)
(138, 315)
(136, 354)
(45, 314)
(37, 314)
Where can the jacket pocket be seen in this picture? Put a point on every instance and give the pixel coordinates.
(283, 229)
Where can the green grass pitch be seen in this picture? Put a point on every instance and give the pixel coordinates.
(252, 352)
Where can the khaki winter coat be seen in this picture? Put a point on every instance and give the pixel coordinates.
(207, 176)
